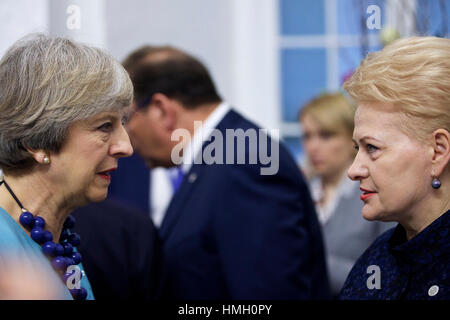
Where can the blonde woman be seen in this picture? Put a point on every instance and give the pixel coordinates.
(402, 134)
(327, 125)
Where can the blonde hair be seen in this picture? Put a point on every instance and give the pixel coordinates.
(413, 76)
(332, 111)
(47, 84)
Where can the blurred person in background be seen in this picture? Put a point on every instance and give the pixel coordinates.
(62, 107)
(402, 135)
(327, 124)
(229, 232)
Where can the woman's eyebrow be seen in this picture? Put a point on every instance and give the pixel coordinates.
(109, 115)
(365, 138)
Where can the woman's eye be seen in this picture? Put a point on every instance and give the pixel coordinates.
(356, 147)
(325, 135)
(371, 148)
(306, 137)
(106, 127)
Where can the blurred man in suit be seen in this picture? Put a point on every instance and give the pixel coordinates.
(241, 224)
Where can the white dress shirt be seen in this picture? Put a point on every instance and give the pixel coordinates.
(161, 190)
(193, 148)
(345, 188)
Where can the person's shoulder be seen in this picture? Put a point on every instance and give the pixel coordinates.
(376, 257)
(236, 121)
(376, 252)
(111, 212)
(268, 165)
(8, 228)
(278, 173)
(381, 241)
(121, 209)
(272, 156)
(14, 242)
(377, 249)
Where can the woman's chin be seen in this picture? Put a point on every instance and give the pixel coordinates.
(370, 214)
(98, 196)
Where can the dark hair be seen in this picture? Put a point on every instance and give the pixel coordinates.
(132, 61)
(171, 72)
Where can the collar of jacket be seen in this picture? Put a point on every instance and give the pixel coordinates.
(425, 247)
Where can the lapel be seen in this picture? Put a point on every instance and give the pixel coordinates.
(176, 206)
(190, 180)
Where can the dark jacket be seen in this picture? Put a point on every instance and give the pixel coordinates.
(418, 269)
(119, 250)
(232, 233)
(130, 184)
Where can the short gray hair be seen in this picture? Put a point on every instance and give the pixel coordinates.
(47, 84)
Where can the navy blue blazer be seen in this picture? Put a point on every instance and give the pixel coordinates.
(394, 268)
(119, 246)
(130, 184)
(232, 233)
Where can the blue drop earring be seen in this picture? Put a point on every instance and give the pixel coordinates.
(436, 183)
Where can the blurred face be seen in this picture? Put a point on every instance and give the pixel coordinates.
(393, 168)
(80, 171)
(149, 136)
(328, 153)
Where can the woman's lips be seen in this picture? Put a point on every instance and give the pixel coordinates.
(105, 174)
(366, 194)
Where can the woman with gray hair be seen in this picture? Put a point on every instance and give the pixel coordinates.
(62, 105)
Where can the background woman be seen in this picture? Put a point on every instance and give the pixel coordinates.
(402, 134)
(327, 124)
(61, 133)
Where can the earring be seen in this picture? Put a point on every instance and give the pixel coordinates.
(46, 160)
(436, 183)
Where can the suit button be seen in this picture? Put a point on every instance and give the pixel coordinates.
(433, 291)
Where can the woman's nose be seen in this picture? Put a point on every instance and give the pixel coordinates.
(312, 145)
(122, 146)
(357, 170)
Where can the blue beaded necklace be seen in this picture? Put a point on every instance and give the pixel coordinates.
(62, 254)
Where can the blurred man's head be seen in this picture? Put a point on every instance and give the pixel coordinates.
(171, 90)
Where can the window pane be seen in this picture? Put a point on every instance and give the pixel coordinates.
(433, 17)
(295, 148)
(301, 17)
(303, 76)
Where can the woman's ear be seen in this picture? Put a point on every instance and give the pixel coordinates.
(441, 155)
(40, 156)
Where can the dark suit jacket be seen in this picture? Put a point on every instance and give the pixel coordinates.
(119, 250)
(232, 233)
(130, 184)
